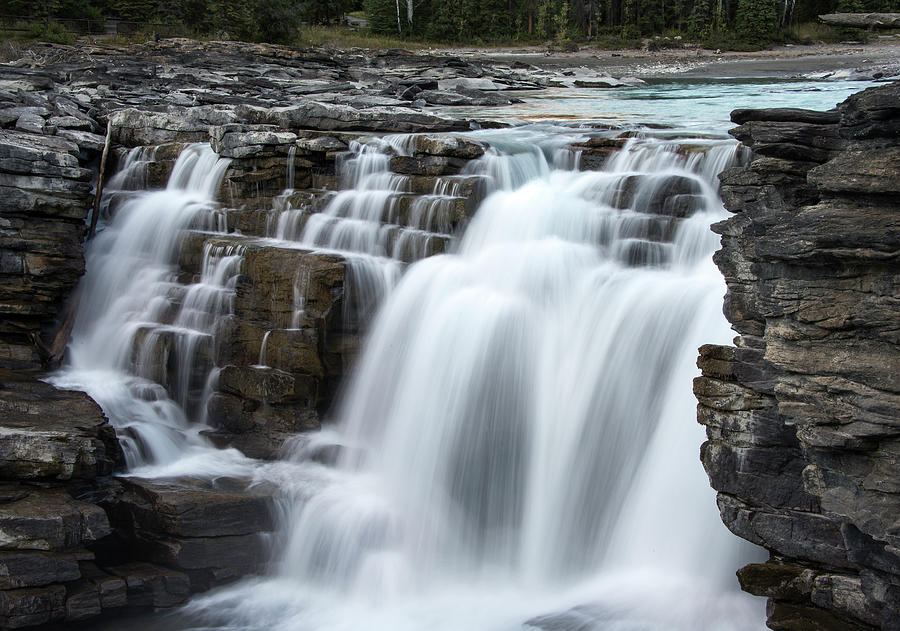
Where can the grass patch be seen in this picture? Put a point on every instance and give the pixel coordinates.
(46, 32)
(818, 33)
(342, 37)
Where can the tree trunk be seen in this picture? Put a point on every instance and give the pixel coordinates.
(862, 20)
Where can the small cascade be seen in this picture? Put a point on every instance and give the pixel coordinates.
(375, 221)
(131, 176)
(262, 350)
(142, 344)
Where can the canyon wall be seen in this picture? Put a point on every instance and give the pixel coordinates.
(802, 413)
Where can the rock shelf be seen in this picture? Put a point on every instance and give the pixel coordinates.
(801, 415)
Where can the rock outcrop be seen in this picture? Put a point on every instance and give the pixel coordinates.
(801, 414)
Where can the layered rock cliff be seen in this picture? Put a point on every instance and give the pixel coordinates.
(802, 413)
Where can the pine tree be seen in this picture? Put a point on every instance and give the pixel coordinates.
(756, 21)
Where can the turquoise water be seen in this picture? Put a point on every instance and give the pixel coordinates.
(698, 104)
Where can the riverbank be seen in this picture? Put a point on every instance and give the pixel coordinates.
(882, 54)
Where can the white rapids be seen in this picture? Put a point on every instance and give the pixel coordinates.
(518, 446)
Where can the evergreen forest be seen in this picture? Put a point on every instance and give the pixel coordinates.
(735, 24)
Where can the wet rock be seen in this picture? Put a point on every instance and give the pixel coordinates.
(82, 601)
(34, 569)
(595, 151)
(152, 586)
(447, 146)
(324, 116)
(268, 294)
(195, 508)
(53, 434)
(21, 608)
(111, 590)
(426, 165)
(257, 383)
(50, 520)
(801, 416)
(244, 554)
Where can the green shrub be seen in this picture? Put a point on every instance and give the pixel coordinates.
(50, 32)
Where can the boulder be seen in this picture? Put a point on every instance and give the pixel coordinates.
(29, 607)
(189, 508)
(152, 586)
(447, 146)
(50, 520)
(26, 568)
(52, 434)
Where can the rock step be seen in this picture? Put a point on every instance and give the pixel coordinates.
(73, 440)
(206, 531)
(442, 214)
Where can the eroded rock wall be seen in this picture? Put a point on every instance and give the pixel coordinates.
(802, 414)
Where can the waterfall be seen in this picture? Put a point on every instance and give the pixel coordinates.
(518, 444)
(142, 342)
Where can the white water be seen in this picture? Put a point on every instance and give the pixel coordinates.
(518, 444)
(142, 343)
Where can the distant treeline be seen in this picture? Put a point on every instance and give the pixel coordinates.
(251, 20)
(497, 20)
(753, 22)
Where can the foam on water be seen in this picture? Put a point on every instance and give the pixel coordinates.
(518, 444)
(517, 447)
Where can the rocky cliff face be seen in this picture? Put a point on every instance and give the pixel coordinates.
(801, 415)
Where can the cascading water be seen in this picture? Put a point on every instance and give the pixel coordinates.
(142, 343)
(518, 447)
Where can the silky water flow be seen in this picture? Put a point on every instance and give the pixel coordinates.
(517, 444)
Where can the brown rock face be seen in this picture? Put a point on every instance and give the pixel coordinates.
(46, 198)
(51, 434)
(801, 415)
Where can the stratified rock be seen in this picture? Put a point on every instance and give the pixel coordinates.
(152, 586)
(257, 383)
(21, 608)
(53, 434)
(209, 530)
(324, 116)
(234, 141)
(132, 127)
(801, 416)
(195, 508)
(870, 171)
(33, 569)
(50, 520)
(447, 146)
